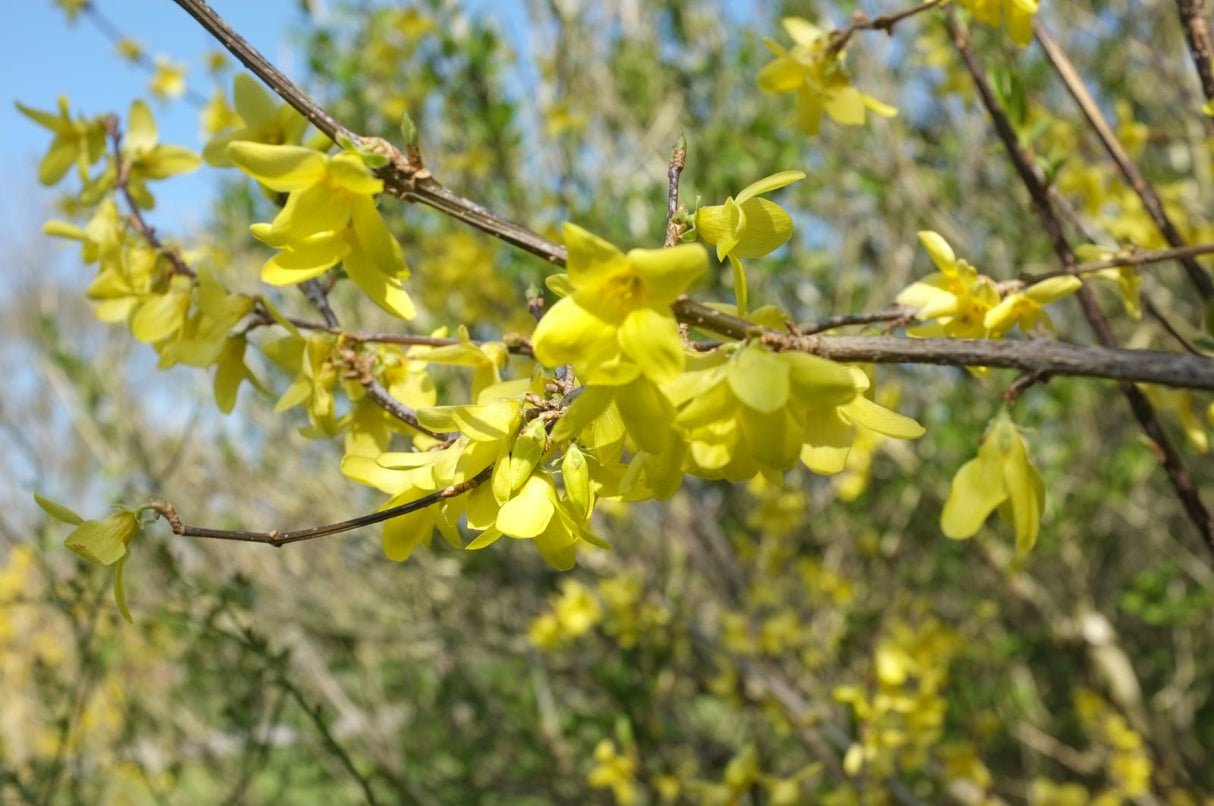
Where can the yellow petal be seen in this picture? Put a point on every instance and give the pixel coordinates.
(310, 211)
(828, 439)
(977, 489)
(667, 272)
(818, 382)
(862, 411)
(591, 259)
(802, 31)
(403, 534)
(104, 541)
(768, 227)
(767, 184)
(759, 379)
(384, 290)
(350, 173)
(1053, 289)
(528, 513)
(569, 333)
(845, 105)
(646, 413)
(280, 168)
(785, 74)
(941, 253)
(140, 135)
(650, 337)
(305, 259)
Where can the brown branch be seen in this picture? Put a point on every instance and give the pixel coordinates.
(1146, 193)
(360, 370)
(674, 230)
(885, 22)
(1173, 464)
(894, 317)
(279, 538)
(315, 292)
(1140, 258)
(403, 177)
(1195, 18)
(135, 216)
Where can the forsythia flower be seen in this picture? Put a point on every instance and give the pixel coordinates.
(617, 323)
(146, 158)
(330, 216)
(1017, 16)
(77, 142)
(169, 79)
(103, 542)
(1024, 307)
(1128, 281)
(816, 73)
(258, 118)
(1001, 476)
(957, 295)
(747, 226)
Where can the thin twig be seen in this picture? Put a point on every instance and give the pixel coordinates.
(1140, 258)
(1158, 315)
(1146, 193)
(885, 22)
(894, 316)
(1173, 464)
(111, 32)
(278, 538)
(360, 369)
(678, 158)
(135, 216)
(315, 293)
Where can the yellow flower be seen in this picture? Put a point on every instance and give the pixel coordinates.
(617, 323)
(103, 542)
(1017, 16)
(816, 73)
(258, 119)
(330, 216)
(169, 79)
(77, 142)
(1001, 476)
(144, 157)
(1025, 307)
(747, 226)
(957, 295)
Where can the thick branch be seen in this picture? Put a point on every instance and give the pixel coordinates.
(1150, 199)
(1195, 18)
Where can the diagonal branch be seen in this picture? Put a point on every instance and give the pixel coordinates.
(277, 538)
(1146, 193)
(1195, 18)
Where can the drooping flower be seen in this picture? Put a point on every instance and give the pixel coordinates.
(330, 217)
(815, 72)
(1001, 477)
(616, 323)
(747, 226)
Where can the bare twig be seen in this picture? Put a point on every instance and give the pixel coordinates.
(674, 230)
(1140, 258)
(893, 317)
(1178, 474)
(1150, 199)
(278, 538)
(135, 216)
(885, 22)
(315, 293)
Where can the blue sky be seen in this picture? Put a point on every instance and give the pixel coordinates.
(43, 56)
